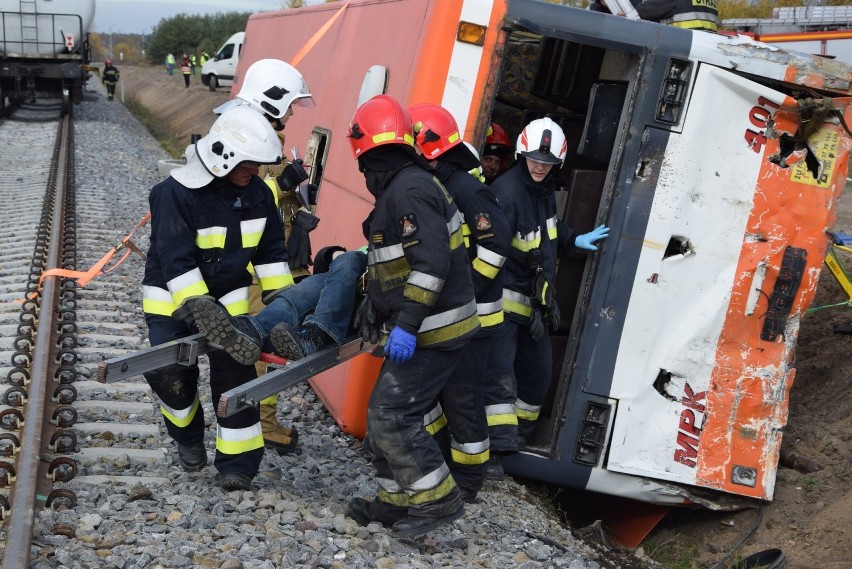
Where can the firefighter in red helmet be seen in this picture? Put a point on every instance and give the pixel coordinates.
(419, 288)
(487, 237)
(496, 153)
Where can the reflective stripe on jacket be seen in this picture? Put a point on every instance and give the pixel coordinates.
(418, 271)
(202, 241)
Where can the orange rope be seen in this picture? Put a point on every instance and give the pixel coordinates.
(83, 277)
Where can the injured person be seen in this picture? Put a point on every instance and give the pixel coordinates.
(298, 320)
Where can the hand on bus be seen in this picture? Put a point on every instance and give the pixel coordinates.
(586, 240)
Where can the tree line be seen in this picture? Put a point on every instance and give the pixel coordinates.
(177, 35)
(194, 34)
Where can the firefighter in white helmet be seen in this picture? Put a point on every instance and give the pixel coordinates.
(272, 87)
(209, 220)
(522, 362)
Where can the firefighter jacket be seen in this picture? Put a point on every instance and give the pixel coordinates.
(486, 236)
(202, 241)
(537, 236)
(418, 274)
(689, 14)
(110, 75)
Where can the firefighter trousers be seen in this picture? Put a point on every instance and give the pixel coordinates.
(519, 377)
(239, 441)
(465, 442)
(410, 468)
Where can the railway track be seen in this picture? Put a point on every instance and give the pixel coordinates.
(60, 430)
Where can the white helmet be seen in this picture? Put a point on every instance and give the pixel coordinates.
(270, 87)
(239, 135)
(543, 141)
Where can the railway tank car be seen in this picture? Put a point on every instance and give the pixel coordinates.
(44, 48)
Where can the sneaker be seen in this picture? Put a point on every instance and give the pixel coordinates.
(366, 511)
(296, 344)
(192, 457)
(234, 334)
(413, 526)
(232, 481)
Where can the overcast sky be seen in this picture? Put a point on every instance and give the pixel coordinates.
(136, 17)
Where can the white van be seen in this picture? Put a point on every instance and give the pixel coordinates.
(220, 70)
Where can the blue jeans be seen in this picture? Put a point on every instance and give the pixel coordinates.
(325, 300)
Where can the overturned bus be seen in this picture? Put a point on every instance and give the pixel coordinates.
(716, 161)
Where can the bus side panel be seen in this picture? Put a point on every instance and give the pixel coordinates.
(698, 389)
(374, 33)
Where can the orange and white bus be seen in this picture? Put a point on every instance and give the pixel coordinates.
(716, 161)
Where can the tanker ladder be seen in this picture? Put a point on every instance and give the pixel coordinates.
(185, 351)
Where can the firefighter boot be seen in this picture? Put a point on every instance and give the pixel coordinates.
(192, 456)
(234, 334)
(297, 344)
(275, 436)
(444, 511)
(233, 481)
(366, 511)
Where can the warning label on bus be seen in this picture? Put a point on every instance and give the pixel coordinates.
(823, 146)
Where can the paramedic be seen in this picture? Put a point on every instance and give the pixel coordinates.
(496, 153)
(298, 320)
(522, 369)
(418, 281)
(487, 237)
(110, 78)
(272, 87)
(688, 14)
(209, 220)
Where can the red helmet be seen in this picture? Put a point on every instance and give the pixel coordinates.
(435, 129)
(381, 120)
(107, 61)
(496, 134)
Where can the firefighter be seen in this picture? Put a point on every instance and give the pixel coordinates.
(522, 363)
(209, 220)
(495, 153)
(687, 14)
(419, 285)
(486, 235)
(110, 78)
(272, 87)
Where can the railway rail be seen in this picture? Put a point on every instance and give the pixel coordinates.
(52, 333)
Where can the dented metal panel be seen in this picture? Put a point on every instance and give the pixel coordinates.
(704, 401)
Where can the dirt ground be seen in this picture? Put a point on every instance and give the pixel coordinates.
(810, 517)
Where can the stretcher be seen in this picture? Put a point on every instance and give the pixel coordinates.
(185, 351)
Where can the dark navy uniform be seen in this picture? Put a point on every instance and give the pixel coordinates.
(418, 279)
(487, 236)
(202, 242)
(515, 402)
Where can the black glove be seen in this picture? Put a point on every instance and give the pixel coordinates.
(268, 296)
(324, 257)
(292, 175)
(536, 325)
(184, 311)
(299, 244)
(554, 318)
(367, 322)
(542, 290)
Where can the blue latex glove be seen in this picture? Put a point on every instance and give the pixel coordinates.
(400, 345)
(585, 240)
